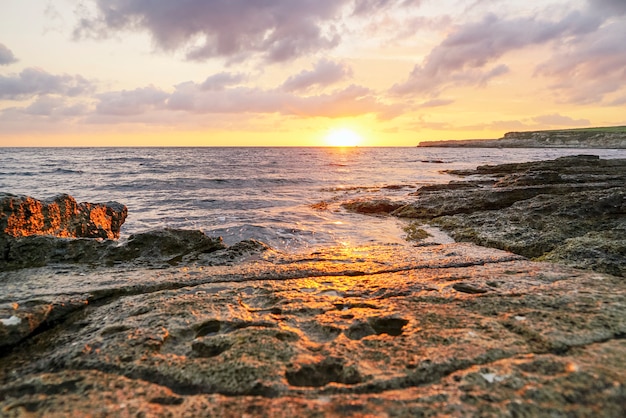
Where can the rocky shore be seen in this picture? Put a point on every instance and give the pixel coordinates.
(571, 210)
(174, 323)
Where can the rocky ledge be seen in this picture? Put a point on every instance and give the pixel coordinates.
(445, 330)
(570, 210)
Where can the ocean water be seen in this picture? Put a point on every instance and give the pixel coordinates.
(268, 194)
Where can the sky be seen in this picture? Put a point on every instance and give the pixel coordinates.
(296, 72)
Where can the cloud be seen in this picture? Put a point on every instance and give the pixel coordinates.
(43, 114)
(131, 102)
(465, 55)
(222, 80)
(350, 101)
(277, 30)
(367, 7)
(591, 69)
(34, 81)
(530, 124)
(325, 73)
(558, 120)
(56, 107)
(6, 55)
(436, 103)
(608, 7)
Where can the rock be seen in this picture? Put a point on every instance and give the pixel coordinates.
(60, 216)
(34, 232)
(379, 206)
(597, 250)
(570, 210)
(452, 330)
(167, 244)
(571, 213)
(157, 247)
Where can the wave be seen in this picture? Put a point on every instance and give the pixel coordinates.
(67, 171)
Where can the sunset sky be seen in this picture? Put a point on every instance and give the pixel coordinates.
(292, 72)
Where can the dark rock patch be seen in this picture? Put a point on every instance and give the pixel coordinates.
(320, 374)
(211, 346)
(388, 325)
(381, 206)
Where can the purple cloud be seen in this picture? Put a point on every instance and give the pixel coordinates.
(592, 68)
(463, 57)
(366, 7)
(276, 30)
(131, 102)
(6, 55)
(34, 81)
(351, 101)
(325, 73)
(222, 80)
(54, 107)
(608, 7)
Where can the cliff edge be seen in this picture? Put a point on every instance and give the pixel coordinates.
(604, 137)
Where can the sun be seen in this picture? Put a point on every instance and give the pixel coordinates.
(343, 138)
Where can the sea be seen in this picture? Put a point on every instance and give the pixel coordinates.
(289, 197)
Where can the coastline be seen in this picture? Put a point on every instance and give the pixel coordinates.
(613, 137)
(438, 329)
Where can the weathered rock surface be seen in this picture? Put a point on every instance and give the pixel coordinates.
(372, 207)
(157, 247)
(570, 210)
(451, 330)
(60, 216)
(610, 137)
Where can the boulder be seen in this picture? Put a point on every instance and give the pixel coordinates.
(379, 206)
(60, 216)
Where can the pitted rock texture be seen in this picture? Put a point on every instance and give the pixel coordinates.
(368, 331)
(60, 216)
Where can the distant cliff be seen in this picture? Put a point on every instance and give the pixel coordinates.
(605, 137)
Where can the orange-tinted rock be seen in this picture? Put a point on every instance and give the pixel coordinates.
(61, 217)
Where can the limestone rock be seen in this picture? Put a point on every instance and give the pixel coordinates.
(570, 210)
(156, 247)
(453, 330)
(60, 216)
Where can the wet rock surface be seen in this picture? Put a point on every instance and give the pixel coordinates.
(570, 210)
(151, 248)
(445, 330)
